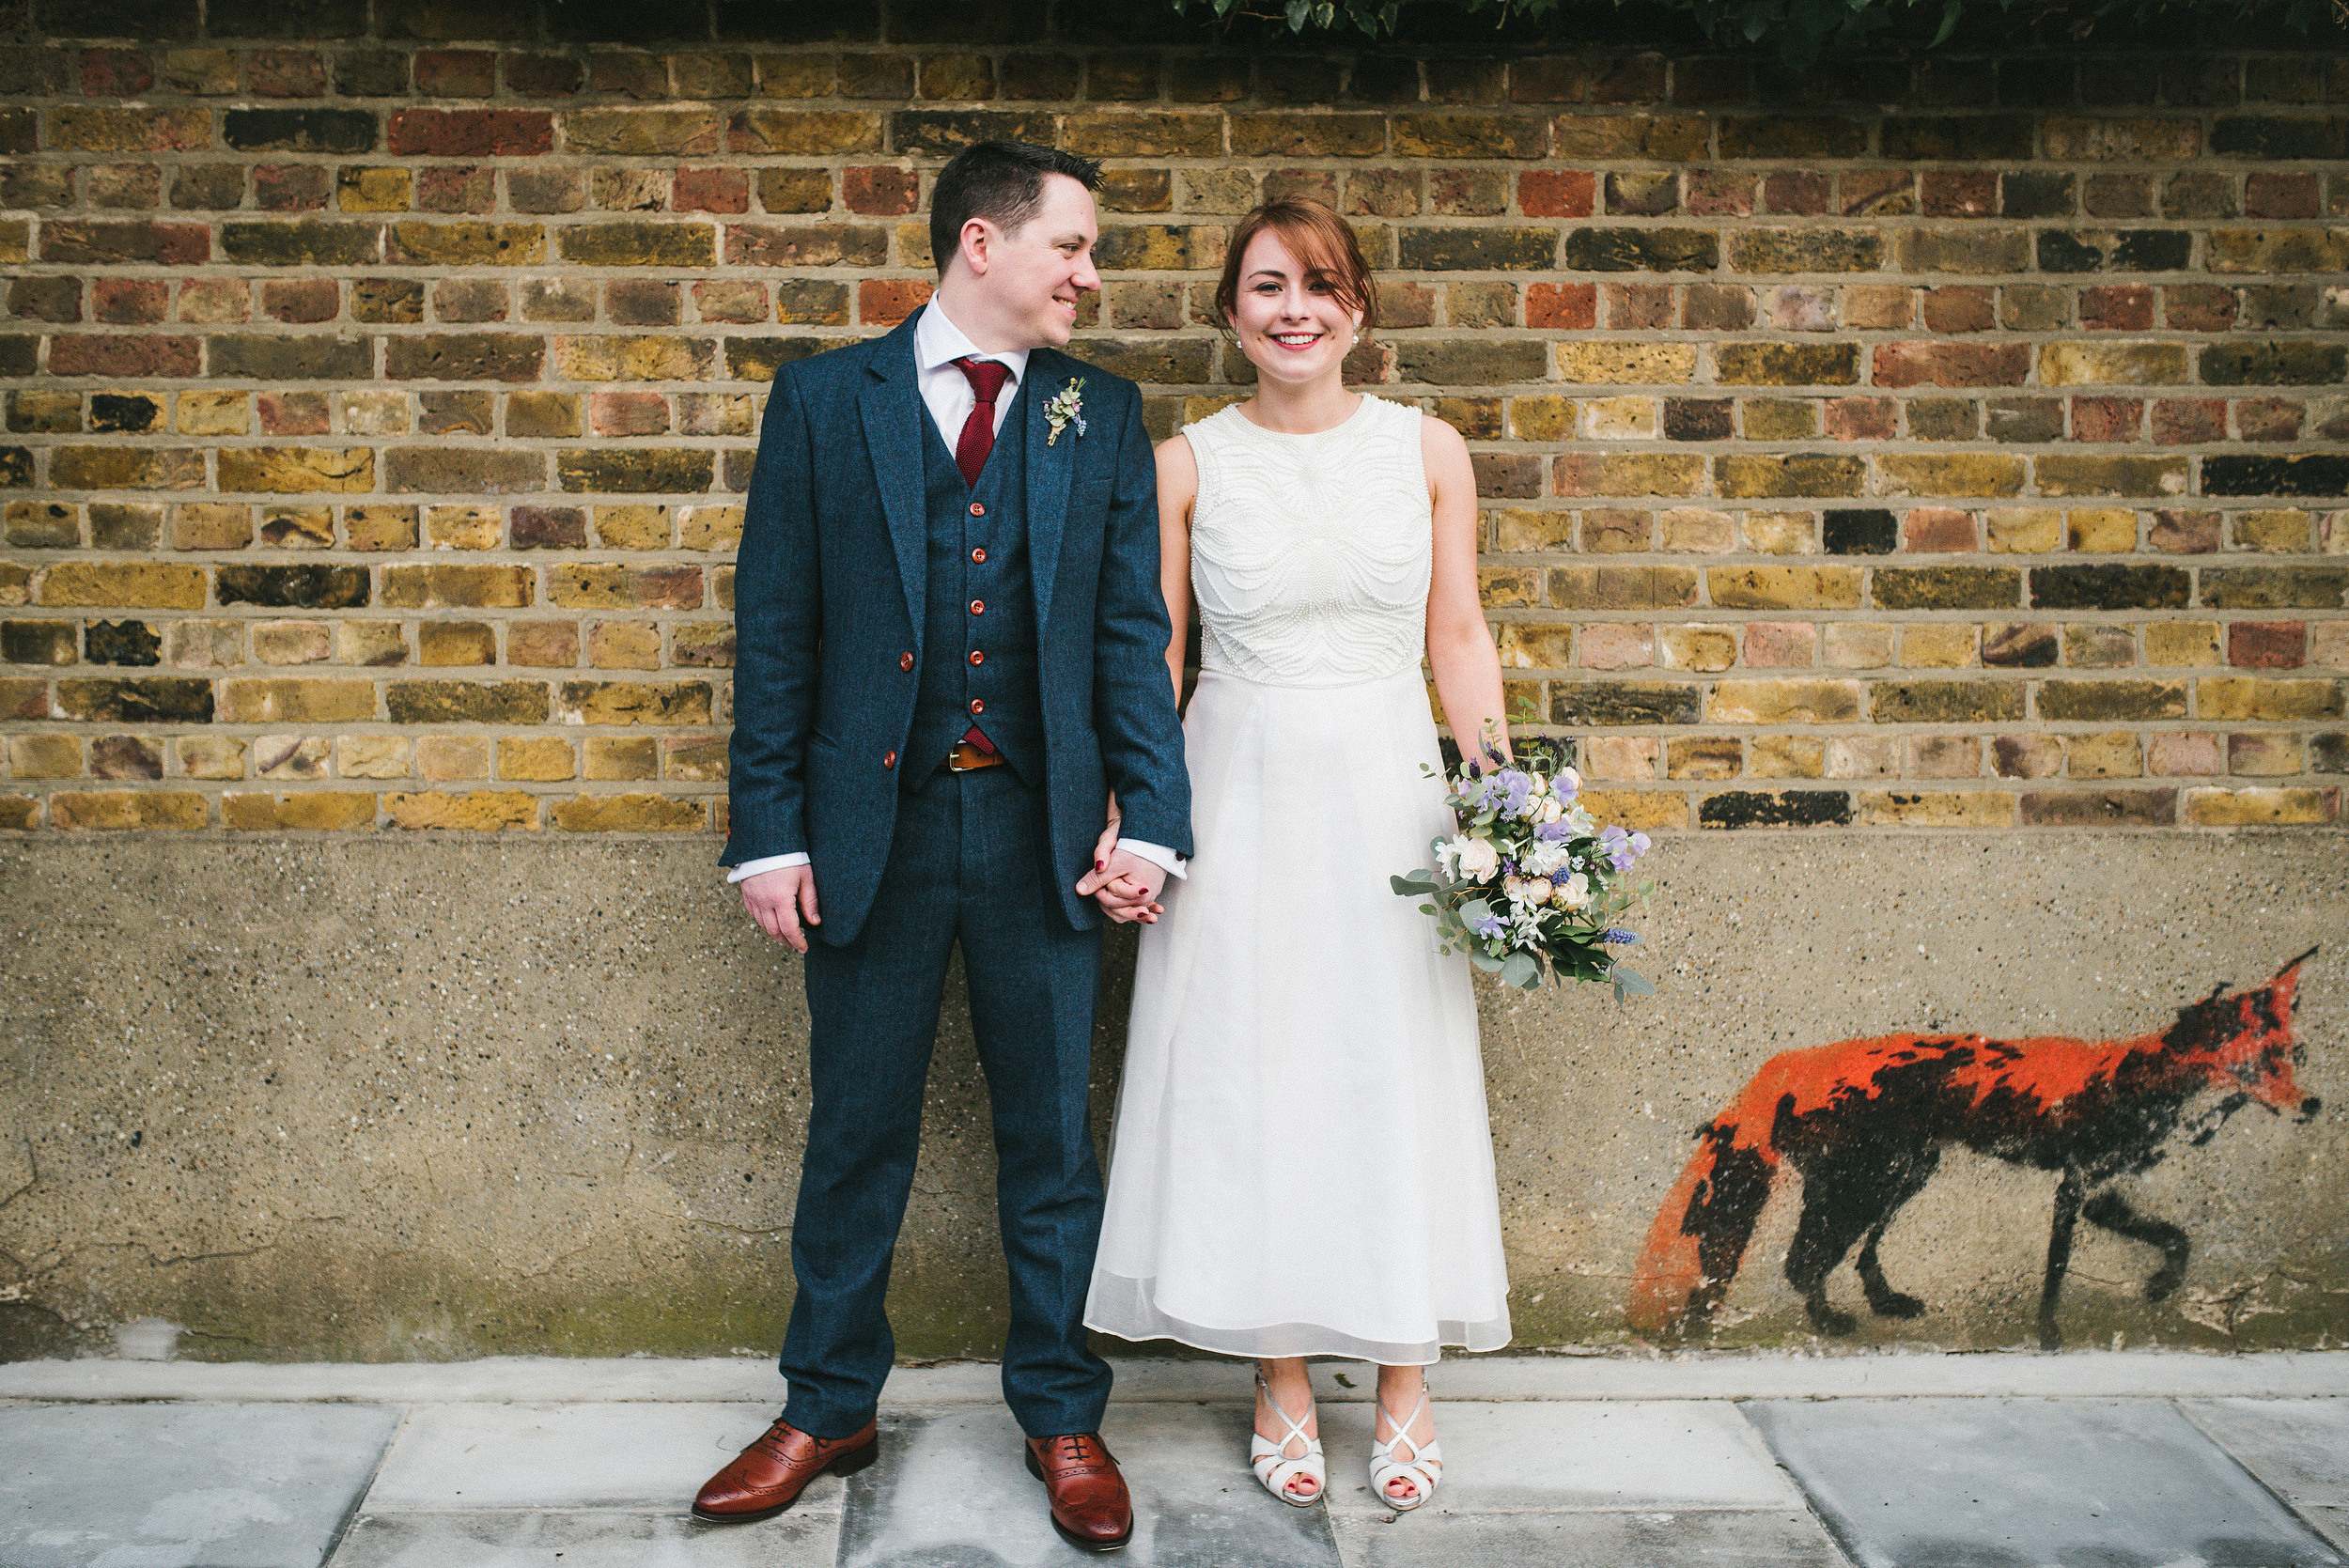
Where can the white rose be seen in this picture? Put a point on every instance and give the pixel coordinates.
(1478, 858)
(1571, 779)
(1553, 809)
(1576, 892)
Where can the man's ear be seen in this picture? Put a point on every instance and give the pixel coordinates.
(974, 244)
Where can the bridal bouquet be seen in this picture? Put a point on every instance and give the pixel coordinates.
(1529, 883)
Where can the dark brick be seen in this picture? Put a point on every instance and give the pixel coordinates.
(301, 244)
(549, 528)
(113, 244)
(2277, 137)
(640, 244)
(465, 702)
(472, 132)
(126, 413)
(122, 354)
(38, 643)
(291, 358)
(1788, 808)
(371, 72)
(305, 587)
(2311, 474)
(2035, 193)
(2019, 420)
(1784, 136)
(1860, 530)
(2110, 701)
(2266, 363)
(1967, 138)
(1697, 419)
(2027, 647)
(1638, 250)
(465, 357)
(298, 129)
(667, 470)
(2329, 753)
(1477, 249)
(1947, 587)
(2109, 587)
(2100, 808)
(390, 302)
(1786, 363)
(131, 642)
(1624, 702)
(286, 19)
(16, 467)
(757, 359)
(944, 132)
(2128, 250)
(2274, 587)
(1945, 702)
(1471, 362)
(153, 699)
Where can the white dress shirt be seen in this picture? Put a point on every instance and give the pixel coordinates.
(946, 392)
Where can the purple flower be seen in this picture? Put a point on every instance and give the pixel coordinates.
(1553, 831)
(1617, 936)
(1516, 788)
(1488, 926)
(1621, 848)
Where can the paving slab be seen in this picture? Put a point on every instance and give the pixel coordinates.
(1647, 1539)
(1508, 1457)
(185, 1487)
(2031, 1483)
(559, 1458)
(2298, 1447)
(594, 1540)
(951, 1491)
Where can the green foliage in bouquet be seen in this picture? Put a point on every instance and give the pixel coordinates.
(1529, 886)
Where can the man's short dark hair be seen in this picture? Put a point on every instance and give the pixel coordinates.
(1000, 181)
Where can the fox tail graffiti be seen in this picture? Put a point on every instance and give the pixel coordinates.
(1864, 1123)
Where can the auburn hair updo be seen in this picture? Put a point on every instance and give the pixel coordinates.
(1319, 238)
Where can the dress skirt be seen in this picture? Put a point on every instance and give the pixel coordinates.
(1302, 1164)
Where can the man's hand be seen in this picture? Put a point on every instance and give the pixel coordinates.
(782, 901)
(1126, 886)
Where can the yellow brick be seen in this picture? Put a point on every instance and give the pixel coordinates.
(1786, 702)
(2194, 642)
(371, 757)
(44, 756)
(1519, 529)
(1940, 646)
(483, 810)
(123, 586)
(1785, 756)
(1642, 810)
(2101, 530)
(323, 810)
(212, 756)
(1541, 418)
(1940, 808)
(632, 527)
(1535, 645)
(2103, 756)
(2112, 363)
(1783, 533)
(2282, 531)
(1620, 418)
(605, 814)
(296, 702)
(1858, 645)
(2251, 808)
(2025, 529)
(710, 528)
(1699, 647)
(464, 527)
(1698, 529)
(1784, 588)
(453, 756)
(128, 809)
(214, 414)
(1588, 364)
(538, 758)
(2247, 697)
(1972, 474)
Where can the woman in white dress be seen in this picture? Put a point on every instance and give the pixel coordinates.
(1302, 1164)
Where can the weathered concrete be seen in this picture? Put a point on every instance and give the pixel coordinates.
(141, 1487)
(1968, 1484)
(435, 1098)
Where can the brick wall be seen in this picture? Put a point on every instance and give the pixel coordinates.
(1951, 441)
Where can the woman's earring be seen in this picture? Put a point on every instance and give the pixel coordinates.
(1357, 338)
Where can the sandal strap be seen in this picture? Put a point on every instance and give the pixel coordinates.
(1402, 1430)
(1297, 1428)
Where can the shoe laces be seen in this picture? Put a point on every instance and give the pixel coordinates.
(1078, 1448)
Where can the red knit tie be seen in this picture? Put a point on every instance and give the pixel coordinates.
(987, 379)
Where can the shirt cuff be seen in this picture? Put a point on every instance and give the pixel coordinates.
(772, 862)
(1157, 854)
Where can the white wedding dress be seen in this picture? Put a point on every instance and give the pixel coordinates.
(1301, 1164)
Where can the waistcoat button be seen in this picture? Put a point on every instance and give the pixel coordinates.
(978, 658)
(979, 556)
(977, 705)
(888, 761)
(904, 662)
(977, 510)
(978, 606)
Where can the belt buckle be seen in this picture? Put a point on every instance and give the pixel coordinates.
(965, 758)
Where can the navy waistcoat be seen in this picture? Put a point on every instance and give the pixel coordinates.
(978, 639)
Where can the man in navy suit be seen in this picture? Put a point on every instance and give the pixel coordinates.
(950, 660)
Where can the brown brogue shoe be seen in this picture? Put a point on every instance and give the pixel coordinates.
(768, 1476)
(1091, 1507)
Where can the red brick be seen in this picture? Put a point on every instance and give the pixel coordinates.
(291, 187)
(129, 302)
(472, 132)
(1935, 530)
(627, 414)
(2128, 307)
(2199, 307)
(2268, 419)
(2180, 420)
(2267, 645)
(543, 75)
(1959, 309)
(1564, 306)
(456, 73)
(886, 301)
(285, 74)
(881, 191)
(2106, 418)
(116, 355)
(1959, 193)
(1717, 194)
(1951, 363)
(301, 300)
(117, 73)
(2279, 195)
(1797, 191)
(1557, 194)
(711, 191)
(1861, 418)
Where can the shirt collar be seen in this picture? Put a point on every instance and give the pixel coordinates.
(938, 342)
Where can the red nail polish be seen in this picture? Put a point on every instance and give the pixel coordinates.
(1099, 866)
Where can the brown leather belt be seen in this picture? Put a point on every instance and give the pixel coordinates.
(965, 757)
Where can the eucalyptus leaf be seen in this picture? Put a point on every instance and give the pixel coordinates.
(1484, 960)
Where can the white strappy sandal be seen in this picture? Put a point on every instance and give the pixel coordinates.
(1265, 1457)
(1386, 1469)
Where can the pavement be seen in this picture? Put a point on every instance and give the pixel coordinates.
(2084, 1460)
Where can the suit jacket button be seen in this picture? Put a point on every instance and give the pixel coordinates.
(979, 556)
(977, 656)
(978, 606)
(888, 761)
(977, 705)
(904, 662)
(977, 510)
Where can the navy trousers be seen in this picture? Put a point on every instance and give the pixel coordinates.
(968, 864)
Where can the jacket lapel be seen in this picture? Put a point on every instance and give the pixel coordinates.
(1049, 472)
(891, 403)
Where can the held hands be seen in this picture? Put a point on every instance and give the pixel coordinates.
(782, 901)
(1124, 884)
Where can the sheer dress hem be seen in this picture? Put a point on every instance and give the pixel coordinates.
(1128, 1308)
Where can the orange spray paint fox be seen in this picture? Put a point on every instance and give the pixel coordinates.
(1865, 1121)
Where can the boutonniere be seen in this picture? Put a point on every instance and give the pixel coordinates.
(1066, 408)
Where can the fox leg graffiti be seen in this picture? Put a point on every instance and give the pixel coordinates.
(2068, 1213)
(1883, 1299)
(2109, 1211)
(1846, 1201)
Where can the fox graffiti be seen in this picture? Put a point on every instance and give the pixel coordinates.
(1865, 1121)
